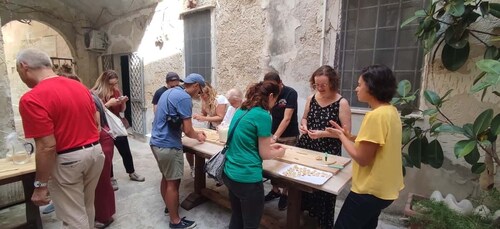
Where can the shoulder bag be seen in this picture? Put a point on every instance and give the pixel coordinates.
(115, 124)
(215, 165)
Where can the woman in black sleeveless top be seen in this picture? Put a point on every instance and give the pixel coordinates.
(324, 105)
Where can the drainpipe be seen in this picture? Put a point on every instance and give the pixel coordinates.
(323, 34)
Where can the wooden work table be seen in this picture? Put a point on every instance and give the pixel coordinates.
(9, 173)
(205, 150)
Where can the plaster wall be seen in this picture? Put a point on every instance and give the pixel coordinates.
(138, 32)
(6, 114)
(19, 36)
(67, 21)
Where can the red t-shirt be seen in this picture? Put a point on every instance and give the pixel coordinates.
(62, 107)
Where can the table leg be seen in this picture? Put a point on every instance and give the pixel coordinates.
(32, 211)
(293, 210)
(194, 199)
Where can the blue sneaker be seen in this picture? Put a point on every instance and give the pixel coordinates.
(184, 224)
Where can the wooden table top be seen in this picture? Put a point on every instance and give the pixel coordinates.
(334, 185)
(8, 169)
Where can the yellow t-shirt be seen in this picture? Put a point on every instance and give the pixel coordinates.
(384, 177)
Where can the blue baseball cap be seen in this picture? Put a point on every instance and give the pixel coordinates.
(195, 78)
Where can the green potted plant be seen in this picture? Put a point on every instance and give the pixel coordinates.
(447, 25)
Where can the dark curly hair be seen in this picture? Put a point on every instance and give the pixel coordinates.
(328, 71)
(258, 95)
(380, 81)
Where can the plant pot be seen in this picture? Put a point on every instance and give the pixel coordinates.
(410, 212)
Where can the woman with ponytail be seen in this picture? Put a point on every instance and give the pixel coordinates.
(249, 145)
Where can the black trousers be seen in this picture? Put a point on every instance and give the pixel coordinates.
(360, 211)
(123, 147)
(247, 203)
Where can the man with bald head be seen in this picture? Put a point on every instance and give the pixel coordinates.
(235, 98)
(60, 115)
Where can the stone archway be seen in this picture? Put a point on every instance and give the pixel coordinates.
(18, 36)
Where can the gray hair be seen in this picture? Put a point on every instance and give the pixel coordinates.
(234, 93)
(33, 58)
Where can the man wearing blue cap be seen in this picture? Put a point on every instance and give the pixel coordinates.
(171, 80)
(173, 116)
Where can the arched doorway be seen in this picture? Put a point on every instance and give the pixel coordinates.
(18, 36)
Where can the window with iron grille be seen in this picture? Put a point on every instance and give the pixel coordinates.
(197, 44)
(371, 34)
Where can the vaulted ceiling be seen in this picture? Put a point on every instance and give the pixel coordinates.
(96, 12)
(103, 11)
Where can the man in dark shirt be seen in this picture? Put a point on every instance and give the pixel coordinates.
(171, 80)
(285, 127)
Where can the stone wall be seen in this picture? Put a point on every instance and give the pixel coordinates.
(19, 36)
(11, 192)
(67, 21)
(6, 114)
(138, 32)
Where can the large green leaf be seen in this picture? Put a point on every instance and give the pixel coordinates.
(472, 157)
(491, 52)
(482, 121)
(484, 7)
(488, 81)
(489, 66)
(424, 145)
(464, 147)
(435, 154)
(495, 125)
(429, 112)
(494, 9)
(456, 36)
(406, 111)
(468, 130)
(447, 128)
(415, 152)
(455, 7)
(435, 126)
(453, 59)
(418, 14)
(404, 88)
(407, 161)
(406, 135)
(478, 168)
(446, 95)
(432, 97)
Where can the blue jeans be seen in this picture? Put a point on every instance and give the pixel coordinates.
(360, 211)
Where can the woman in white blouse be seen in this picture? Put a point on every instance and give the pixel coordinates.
(213, 107)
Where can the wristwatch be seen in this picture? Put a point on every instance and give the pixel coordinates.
(39, 184)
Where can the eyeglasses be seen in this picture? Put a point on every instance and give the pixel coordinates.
(320, 84)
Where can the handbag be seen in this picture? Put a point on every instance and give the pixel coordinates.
(115, 124)
(215, 165)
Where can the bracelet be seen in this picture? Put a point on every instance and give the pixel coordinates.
(274, 137)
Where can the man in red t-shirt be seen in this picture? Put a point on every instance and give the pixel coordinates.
(60, 115)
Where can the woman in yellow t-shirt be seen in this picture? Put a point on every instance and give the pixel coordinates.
(377, 175)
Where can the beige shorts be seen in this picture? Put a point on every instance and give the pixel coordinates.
(170, 162)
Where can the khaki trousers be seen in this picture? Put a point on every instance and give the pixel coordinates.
(72, 186)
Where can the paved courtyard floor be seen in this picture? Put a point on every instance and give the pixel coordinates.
(139, 204)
